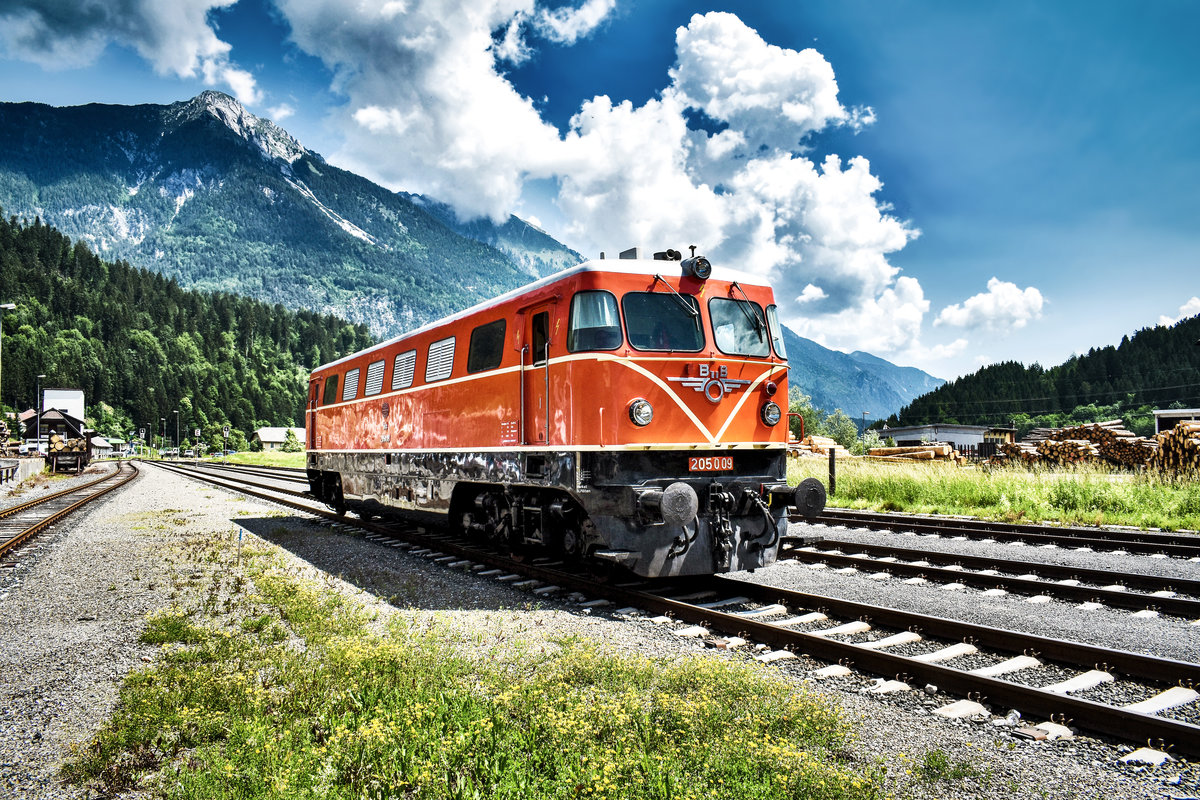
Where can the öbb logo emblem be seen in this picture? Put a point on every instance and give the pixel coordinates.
(712, 382)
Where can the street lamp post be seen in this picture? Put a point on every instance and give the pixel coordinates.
(177, 431)
(864, 429)
(164, 436)
(3, 307)
(37, 435)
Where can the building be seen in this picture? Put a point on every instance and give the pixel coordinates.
(966, 439)
(69, 401)
(101, 447)
(1165, 420)
(273, 438)
(53, 421)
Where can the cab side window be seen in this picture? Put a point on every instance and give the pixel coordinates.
(331, 390)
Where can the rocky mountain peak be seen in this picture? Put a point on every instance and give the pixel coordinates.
(272, 140)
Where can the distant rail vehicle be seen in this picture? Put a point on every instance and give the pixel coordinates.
(627, 413)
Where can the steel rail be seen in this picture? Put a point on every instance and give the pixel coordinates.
(1176, 606)
(1088, 715)
(1100, 577)
(11, 510)
(1146, 542)
(288, 479)
(47, 521)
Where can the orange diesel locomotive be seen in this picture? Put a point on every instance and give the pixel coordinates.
(623, 411)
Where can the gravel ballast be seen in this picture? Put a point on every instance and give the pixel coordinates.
(72, 610)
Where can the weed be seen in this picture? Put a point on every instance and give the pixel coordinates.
(937, 766)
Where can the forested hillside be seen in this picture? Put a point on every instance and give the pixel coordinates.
(141, 347)
(1157, 367)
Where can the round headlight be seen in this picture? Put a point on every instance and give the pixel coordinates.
(770, 413)
(641, 412)
(697, 266)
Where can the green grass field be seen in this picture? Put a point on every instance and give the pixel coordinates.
(1079, 496)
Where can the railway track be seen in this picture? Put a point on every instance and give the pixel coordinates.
(22, 522)
(997, 576)
(1177, 545)
(1116, 693)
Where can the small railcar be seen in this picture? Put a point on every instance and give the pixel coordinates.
(625, 412)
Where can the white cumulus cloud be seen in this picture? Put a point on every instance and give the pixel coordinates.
(175, 37)
(568, 25)
(1189, 309)
(1004, 306)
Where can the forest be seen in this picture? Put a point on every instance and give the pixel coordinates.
(142, 348)
(1156, 368)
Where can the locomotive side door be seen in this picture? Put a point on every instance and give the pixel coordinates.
(314, 387)
(535, 376)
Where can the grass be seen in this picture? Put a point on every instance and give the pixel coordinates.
(271, 687)
(271, 458)
(1089, 495)
(936, 765)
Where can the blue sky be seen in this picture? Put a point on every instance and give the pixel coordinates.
(1010, 181)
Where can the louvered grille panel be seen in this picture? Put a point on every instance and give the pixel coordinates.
(374, 379)
(402, 370)
(350, 389)
(441, 360)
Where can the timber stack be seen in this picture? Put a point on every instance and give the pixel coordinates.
(1179, 449)
(817, 446)
(1095, 441)
(933, 451)
(1113, 443)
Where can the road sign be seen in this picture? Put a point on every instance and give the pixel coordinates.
(225, 431)
(141, 433)
(197, 433)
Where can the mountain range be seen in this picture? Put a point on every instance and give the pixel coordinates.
(207, 193)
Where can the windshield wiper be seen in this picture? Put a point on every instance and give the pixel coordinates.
(759, 324)
(678, 297)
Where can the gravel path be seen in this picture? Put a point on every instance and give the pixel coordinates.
(71, 613)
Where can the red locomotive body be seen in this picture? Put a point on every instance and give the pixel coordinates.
(619, 411)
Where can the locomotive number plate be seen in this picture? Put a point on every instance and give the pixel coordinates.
(710, 463)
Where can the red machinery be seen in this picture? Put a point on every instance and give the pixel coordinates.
(623, 411)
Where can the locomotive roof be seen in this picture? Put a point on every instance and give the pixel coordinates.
(626, 266)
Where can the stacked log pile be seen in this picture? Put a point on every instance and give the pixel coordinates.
(4, 434)
(1179, 449)
(1022, 451)
(817, 446)
(933, 451)
(1096, 441)
(1113, 443)
(60, 444)
(1067, 451)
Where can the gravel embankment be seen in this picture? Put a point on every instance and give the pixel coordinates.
(71, 613)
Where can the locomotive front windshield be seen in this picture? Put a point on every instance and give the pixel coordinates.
(663, 321)
(739, 327)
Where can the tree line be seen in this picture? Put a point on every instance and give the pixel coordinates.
(1155, 368)
(141, 348)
